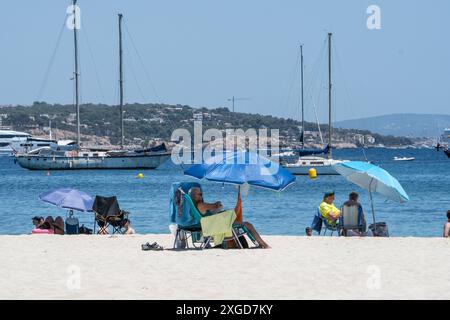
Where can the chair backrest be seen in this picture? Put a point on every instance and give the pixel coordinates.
(351, 217)
(106, 206)
(179, 212)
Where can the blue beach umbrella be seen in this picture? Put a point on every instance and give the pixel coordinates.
(240, 167)
(66, 198)
(373, 179)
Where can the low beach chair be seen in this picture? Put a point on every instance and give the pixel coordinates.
(351, 219)
(186, 215)
(198, 216)
(188, 223)
(326, 226)
(195, 231)
(108, 213)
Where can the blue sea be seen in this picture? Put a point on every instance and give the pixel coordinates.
(426, 180)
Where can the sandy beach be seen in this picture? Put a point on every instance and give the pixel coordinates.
(115, 267)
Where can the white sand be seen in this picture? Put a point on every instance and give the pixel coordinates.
(41, 267)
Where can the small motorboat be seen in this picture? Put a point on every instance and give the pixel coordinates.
(404, 159)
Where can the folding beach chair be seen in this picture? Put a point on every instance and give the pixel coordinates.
(198, 216)
(186, 215)
(326, 226)
(188, 225)
(108, 213)
(351, 219)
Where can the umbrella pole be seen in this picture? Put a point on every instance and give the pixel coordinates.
(373, 210)
(371, 204)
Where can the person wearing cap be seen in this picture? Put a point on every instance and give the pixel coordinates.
(328, 210)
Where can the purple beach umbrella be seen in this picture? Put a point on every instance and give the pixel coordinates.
(67, 198)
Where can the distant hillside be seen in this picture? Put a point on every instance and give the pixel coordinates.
(405, 125)
(146, 123)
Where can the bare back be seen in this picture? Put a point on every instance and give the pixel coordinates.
(447, 229)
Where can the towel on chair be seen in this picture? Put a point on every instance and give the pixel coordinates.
(218, 226)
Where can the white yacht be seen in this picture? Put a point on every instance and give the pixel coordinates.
(322, 165)
(13, 142)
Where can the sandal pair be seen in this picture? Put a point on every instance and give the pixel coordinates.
(154, 246)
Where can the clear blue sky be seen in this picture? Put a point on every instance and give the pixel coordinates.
(201, 52)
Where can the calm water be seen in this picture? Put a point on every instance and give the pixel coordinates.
(426, 180)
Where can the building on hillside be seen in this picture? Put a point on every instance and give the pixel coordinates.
(359, 138)
(370, 139)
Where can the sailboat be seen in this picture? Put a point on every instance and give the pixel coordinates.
(306, 157)
(75, 157)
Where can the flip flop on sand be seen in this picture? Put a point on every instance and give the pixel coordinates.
(154, 246)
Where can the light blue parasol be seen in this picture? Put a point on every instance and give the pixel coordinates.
(373, 179)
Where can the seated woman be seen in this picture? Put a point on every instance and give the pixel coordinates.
(58, 225)
(48, 226)
(211, 208)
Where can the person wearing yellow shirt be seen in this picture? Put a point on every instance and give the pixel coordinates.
(328, 209)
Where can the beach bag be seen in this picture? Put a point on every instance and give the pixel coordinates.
(380, 229)
(72, 225)
(231, 244)
(84, 230)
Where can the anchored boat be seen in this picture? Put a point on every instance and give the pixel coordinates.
(404, 159)
(66, 159)
(77, 158)
(306, 157)
(12, 142)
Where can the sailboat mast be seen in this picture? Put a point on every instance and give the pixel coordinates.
(76, 71)
(329, 96)
(303, 110)
(122, 133)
